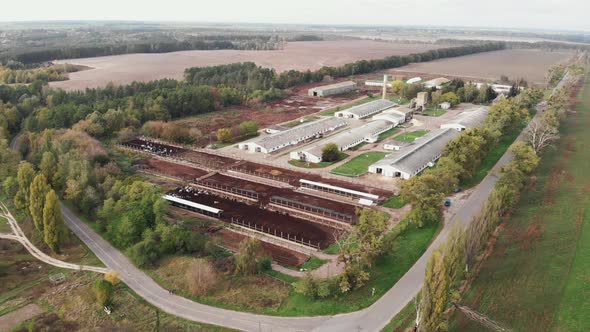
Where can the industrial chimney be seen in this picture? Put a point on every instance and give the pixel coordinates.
(384, 86)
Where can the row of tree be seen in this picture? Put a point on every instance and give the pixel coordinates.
(24, 76)
(449, 264)
(463, 155)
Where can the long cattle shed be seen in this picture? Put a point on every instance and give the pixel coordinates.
(332, 89)
(348, 139)
(366, 109)
(469, 119)
(415, 158)
(296, 135)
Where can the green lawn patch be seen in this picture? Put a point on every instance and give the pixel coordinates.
(298, 122)
(537, 278)
(395, 202)
(388, 133)
(411, 136)
(359, 165)
(4, 226)
(388, 269)
(306, 164)
(404, 320)
(432, 111)
(313, 263)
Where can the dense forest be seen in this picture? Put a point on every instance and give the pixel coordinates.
(33, 46)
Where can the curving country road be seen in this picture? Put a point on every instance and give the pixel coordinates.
(373, 318)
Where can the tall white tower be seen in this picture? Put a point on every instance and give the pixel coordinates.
(384, 94)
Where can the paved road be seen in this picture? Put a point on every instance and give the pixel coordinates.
(373, 318)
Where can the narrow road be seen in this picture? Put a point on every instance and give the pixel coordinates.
(19, 235)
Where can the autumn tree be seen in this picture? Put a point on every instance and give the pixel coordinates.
(397, 87)
(454, 253)
(362, 247)
(25, 177)
(248, 256)
(103, 290)
(48, 166)
(330, 152)
(224, 135)
(38, 191)
(434, 295)
(201, 277)
(53, 224)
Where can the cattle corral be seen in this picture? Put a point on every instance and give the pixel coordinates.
(530, 64)
(171, 169)
(262, 220)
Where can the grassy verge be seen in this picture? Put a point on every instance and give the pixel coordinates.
(411, 136)
(4, 227)
(536, 279)
(404, 320)
(388, 133)
(431, 111)
(408, 247)
(491, 159)
(305, 164)
(395, 202)
(359, 165)
(298, 122)
(313, 263)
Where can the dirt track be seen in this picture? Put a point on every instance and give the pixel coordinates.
(124, 69)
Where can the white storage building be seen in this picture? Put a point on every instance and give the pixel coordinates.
(332, 89)
(345, 140)
(366, 109)
(293, 136)
(415, 158)
(436, 83)
(467, 119)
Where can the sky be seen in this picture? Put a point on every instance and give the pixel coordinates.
(530, 14)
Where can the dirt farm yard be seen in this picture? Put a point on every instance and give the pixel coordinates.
(124, 69)
(515, 63)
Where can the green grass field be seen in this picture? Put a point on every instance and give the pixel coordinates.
(305, 164)
(431, 111)
(408, 247)
(359, 165)
(538, 276)
(313, 263)
(411, 136)
(395, 202)
(388, 134)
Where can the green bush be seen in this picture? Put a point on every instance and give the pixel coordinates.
(103, 290)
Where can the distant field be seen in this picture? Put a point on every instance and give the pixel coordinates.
(123, 69)
(528, 64)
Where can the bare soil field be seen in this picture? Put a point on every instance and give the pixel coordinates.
(172, 169)
(271, 221)
(517, 63)
(296, 104)
(282, 256)
(124, 69)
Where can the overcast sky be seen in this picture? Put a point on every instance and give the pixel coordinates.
(539, 14)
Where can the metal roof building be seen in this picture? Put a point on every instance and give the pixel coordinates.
(293, 136)
(345, 140)
(332, 89)
(365, 110)
(467, 119)
(415, 158)
(436, 83)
